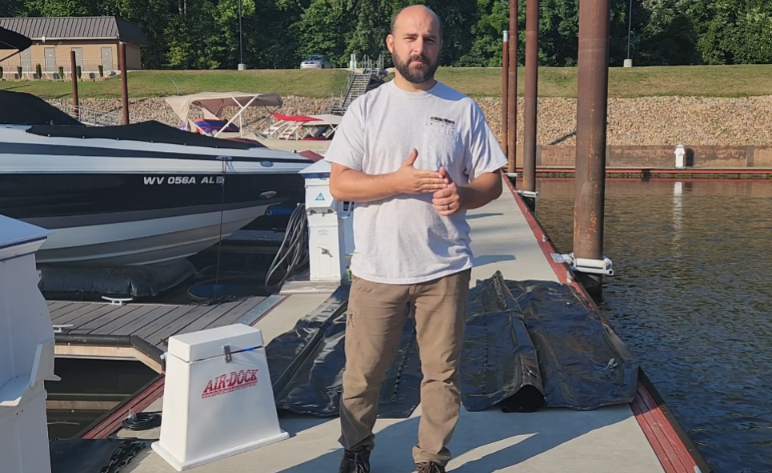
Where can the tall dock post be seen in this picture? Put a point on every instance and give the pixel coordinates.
(531, 97)
(124, 82)
(512, 97)
(505, 94)
(74, 78)
(592, 104)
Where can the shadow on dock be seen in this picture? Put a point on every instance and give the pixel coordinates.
(499, 442)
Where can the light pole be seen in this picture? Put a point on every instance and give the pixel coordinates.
(242, 66)
(629, 60)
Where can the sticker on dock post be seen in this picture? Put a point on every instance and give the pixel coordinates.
(320, 197)
(223, 384)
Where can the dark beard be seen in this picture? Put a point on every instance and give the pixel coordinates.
(421, 74)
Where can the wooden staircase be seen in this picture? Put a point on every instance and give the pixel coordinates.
(360, 81)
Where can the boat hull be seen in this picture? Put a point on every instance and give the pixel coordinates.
(136, 219)
(144, 241)
(116, 202)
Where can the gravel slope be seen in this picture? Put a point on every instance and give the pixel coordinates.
(641, 121)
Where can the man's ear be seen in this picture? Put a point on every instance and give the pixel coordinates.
(390, 43)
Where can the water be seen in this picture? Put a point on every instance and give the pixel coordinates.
(691, 298)
(88, 389)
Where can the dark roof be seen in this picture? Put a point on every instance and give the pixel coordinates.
(76, 27)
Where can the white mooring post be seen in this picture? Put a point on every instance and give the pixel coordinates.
(330, 240)
(218, 400)
(680, 154)
(26, 351)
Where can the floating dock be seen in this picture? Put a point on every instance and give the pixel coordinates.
(639, 437)
(140, 331)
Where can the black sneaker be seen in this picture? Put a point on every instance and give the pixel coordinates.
(430, 467)
(355, 461)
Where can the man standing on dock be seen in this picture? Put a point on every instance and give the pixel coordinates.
(413, 155)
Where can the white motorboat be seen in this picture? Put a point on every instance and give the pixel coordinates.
(132, 194)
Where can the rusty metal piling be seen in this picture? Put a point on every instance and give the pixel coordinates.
(591, 116)
(74, 79)
(512, 96)
(124, 82)
(531, 104)
(505, 94)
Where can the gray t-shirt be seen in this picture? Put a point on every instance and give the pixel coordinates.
(403, 240)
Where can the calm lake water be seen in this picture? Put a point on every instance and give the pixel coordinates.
(89, 389)
(691, 298)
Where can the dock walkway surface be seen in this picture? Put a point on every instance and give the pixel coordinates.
(609, 439)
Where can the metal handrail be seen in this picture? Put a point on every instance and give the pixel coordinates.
(94, 117)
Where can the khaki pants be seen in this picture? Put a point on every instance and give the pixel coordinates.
(376, 316)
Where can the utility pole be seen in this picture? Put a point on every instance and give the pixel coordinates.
(629, 60)
(242, 66)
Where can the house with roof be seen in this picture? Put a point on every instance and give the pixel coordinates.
(94, 39)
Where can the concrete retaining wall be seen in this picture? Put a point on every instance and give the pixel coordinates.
(647, 157)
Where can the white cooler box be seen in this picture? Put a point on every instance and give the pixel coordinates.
(218, 399)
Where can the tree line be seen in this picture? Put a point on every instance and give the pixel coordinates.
(204, 34)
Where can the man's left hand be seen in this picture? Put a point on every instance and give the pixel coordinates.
(448, 201)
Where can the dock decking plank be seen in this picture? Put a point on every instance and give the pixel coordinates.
(142, 321)
(211, 317)
(154, 323)
(125, 319)
(164, 321)
(93, 315)
(160, 337)
(55, 305)
(236, 313)
(85, 308)
(64, 310)
(106, 318)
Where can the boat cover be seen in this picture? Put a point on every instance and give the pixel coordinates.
(58, 281)
(11, 40)
(148, 132)
(213, 103)
(528, 345)
(21, 108)
(93, 455)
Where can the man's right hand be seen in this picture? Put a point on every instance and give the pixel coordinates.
(410, 180)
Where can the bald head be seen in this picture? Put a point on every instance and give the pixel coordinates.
(415, 13)
(414, 43)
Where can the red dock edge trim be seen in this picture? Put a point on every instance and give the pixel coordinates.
(655, 171)
(110, 423)
(665, 435)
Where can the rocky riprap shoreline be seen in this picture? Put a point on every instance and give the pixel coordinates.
(654, 121)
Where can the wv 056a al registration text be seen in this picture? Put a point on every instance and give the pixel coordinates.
(171, 180)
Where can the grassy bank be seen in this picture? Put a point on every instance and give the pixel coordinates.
(704, 81)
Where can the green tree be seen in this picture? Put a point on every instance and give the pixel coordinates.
(321, 29)
(736, 32)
